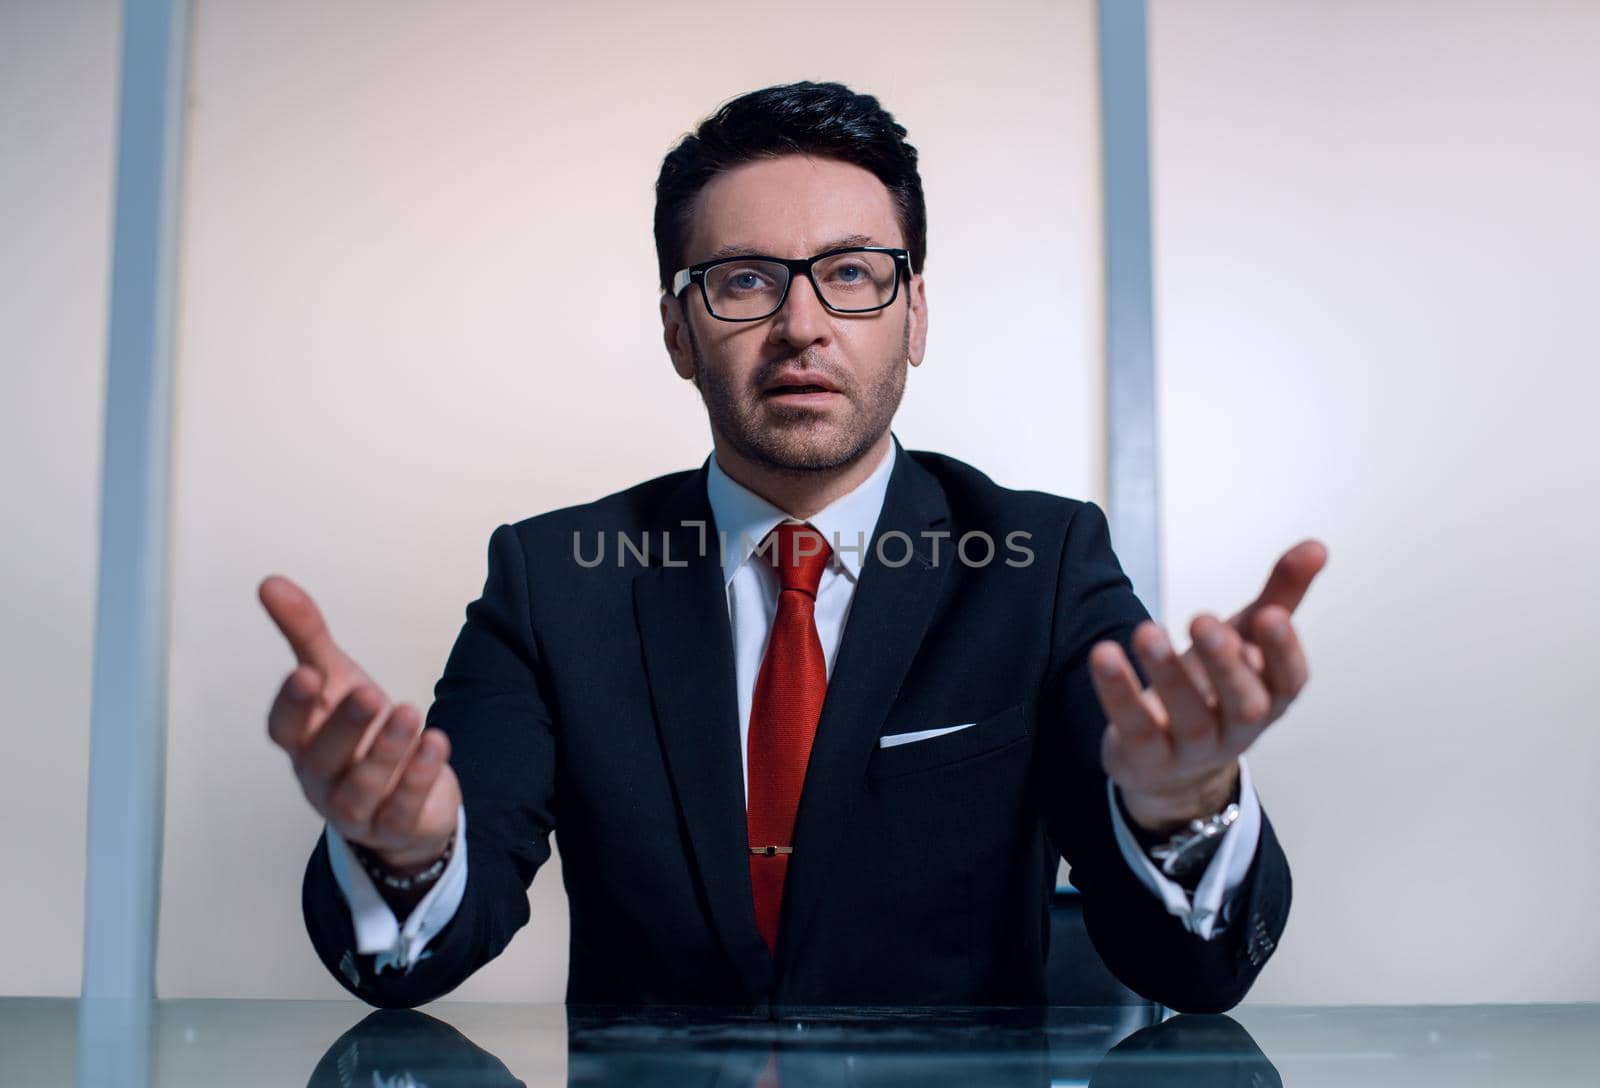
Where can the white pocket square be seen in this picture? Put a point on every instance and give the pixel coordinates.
(894, 739)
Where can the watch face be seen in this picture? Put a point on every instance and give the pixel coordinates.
(1186, 856)
(1190, 864)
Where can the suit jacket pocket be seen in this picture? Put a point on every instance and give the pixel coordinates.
(990, 734)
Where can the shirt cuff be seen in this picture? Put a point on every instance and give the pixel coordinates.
(378, 932)
(1206, 916)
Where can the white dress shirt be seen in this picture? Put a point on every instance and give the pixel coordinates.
(743, 520)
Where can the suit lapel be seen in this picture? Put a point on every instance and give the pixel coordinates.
(888, 618)
(682, 613)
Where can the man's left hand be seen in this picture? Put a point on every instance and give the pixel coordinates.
(1173, 748)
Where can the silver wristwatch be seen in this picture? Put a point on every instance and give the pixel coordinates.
(1189, 850)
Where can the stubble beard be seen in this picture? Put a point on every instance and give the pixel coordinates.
(797, 440)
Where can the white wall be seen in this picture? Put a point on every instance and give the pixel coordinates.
(1376, 248)
(385, 349)
(58, 66)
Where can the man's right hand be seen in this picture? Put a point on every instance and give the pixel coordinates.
(369, 769)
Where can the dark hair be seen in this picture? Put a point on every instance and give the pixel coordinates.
(826, 120)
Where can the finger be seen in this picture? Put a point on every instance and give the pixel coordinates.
(333, 746)
(1139, 718)
(355, 797)
(1198, 676)
(300, 621)
(1191, 719)
(399, 815)
(1243, 699)
(1284, 670)
(1287, 584)
(292, 715)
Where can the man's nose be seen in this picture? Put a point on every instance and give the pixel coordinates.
(802, 319)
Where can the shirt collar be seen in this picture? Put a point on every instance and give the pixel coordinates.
(745, 518)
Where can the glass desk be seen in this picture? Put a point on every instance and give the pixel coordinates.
(340, 1043)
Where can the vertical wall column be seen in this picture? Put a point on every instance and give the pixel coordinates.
(1132, 492)
(127, 734)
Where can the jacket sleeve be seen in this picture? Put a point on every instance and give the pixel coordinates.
(1144, 945)
(490, 703)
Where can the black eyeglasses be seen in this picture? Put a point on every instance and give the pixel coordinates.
(857, 280)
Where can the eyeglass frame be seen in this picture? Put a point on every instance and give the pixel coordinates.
(696, 273)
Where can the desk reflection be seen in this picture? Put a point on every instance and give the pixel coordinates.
(865, 1047)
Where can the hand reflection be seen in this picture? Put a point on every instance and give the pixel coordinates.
(399, 1048)
(1203, 1051)
(867, 1047)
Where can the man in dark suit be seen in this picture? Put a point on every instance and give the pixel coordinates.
(817, 719)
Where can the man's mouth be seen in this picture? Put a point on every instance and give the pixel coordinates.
(796, 388)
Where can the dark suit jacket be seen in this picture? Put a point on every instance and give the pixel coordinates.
(601, 701)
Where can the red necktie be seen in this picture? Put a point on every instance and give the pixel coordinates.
(783, 717)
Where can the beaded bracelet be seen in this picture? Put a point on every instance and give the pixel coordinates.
(381, 873)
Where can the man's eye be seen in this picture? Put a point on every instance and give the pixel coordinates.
(848, 275)
(746, 281)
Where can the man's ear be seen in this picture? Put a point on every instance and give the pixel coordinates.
(917, 340)
(675, 334)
